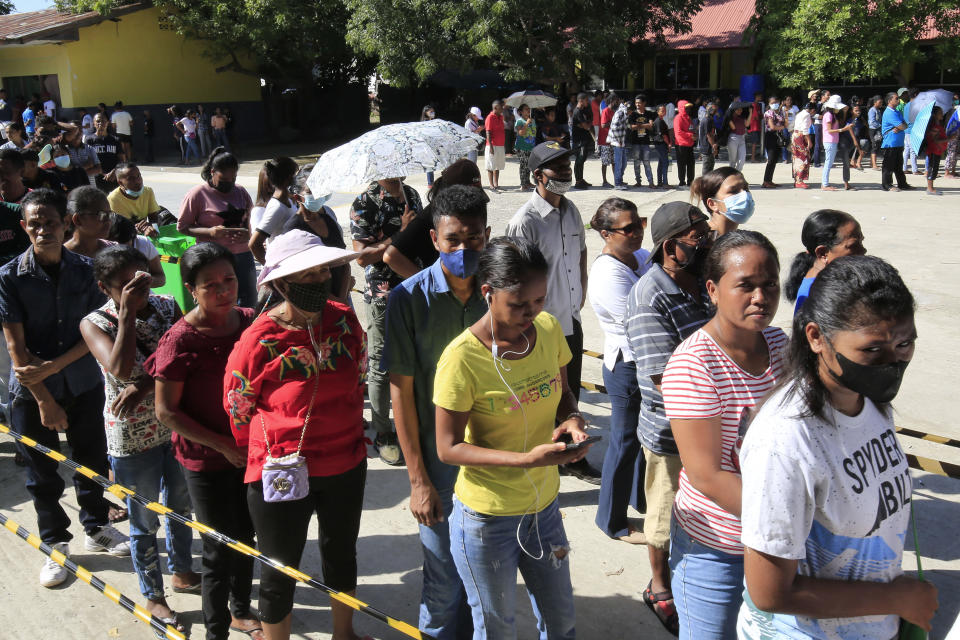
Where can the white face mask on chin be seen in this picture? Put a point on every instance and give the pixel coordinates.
(558, 187)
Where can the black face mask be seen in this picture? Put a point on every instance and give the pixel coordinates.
(309, 296)
(879, 382)
(223, 186)
(695, 256)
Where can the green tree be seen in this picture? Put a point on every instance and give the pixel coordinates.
(802, 44)
(287, 42)
(549, 41)
(6, 7)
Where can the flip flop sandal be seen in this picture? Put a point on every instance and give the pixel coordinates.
(194, 589)
(172, 621)
(256, 633)
(662, 606)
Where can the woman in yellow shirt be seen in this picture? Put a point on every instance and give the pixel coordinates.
(500, 390)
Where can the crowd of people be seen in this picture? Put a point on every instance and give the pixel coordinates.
(106, 135)
(821, 131)
(755, 457)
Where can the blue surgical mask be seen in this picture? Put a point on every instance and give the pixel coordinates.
(775, 106)
(311, 203)
(134, 194)
(62, 161)
(461, 263)
(739, 206)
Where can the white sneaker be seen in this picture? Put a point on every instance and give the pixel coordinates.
(108, 539)
(52, 574)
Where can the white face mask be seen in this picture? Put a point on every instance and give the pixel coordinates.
(558, 187)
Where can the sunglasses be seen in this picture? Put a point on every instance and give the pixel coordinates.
(631, 228)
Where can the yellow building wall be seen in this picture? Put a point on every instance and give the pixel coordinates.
(132, 60)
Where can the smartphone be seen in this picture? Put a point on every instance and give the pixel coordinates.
(573, 446)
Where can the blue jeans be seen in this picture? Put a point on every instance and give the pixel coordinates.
(909, 156)
(830, 153)
(220, 138)
(663, 164)
(193, 148)
(246, 279)
(488, 556)
(621, 482)
(642, 153)
(444, 613)
(152, 473)
(817, 143)
(707, 587)
(619, 164)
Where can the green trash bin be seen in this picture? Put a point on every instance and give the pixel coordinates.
(172, 244)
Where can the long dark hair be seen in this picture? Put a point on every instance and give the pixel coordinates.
(850, 293)
(707, 185)
(218, 160)
(715, 264)
(821, 228)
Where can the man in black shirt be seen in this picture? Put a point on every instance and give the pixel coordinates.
(709, 145)
(581, 138)
(108, 153)
(640, 122)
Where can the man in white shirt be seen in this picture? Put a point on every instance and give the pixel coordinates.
(553, 223)
(122, 124)
(86, 124)
(50, 108)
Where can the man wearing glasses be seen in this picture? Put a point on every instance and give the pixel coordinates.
(665, 306)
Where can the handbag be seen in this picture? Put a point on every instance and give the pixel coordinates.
(908, 630)
(287, 477)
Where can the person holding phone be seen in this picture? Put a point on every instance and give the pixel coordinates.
(501, 389)
(806, 502)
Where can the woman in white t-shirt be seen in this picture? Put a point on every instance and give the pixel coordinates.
(614, 273)
(188, 127)
(280, 208)
(264, 193)
(711, 383)
(826, 486)
(474, 124)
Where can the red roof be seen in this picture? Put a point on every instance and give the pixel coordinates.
(719, 25)
(51, 25)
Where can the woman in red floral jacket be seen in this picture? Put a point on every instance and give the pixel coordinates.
(294, 384)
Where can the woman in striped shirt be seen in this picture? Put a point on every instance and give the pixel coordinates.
(711, 383)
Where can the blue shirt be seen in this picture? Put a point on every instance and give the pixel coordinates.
(423, 317)
(659, 316)
(802, 293)
(891, 119)
(873, 118)
(29, 122)
(50, 310)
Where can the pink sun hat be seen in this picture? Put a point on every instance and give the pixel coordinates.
(298, 250)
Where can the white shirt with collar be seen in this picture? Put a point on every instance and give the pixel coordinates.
(559, 235)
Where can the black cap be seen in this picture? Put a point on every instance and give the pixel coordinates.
(672, 219)
(545, 152)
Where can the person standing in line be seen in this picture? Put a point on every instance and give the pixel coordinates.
(29, 117)
(892, 128)
(174, 112)
(821, 98)
(666, 305)
(726, 196)
(833, 127)
(618, 267)
(552, 222)
(660, 143)
(50, 107)
(936, 139)
(280, 208)
(293, 389)
(685, 141)
(187, 368)
(618, 138)
(827, 234)
(219, 124)
(909, 155)
(86, 124)
(801, 146)
(803, 508)
(121, 335)
(581, 139)
(735, 124)
(526, 128)
(509, 120)
(711, 384)
(121, 123)
(952, 126)
(505, 514)
(790, 112)
(774, 123)
(188, 127)
(376, 216)
(55, 384)
(424, 314)
(474, 124)
(709, 144)
(755, 125)
(641, 147)
(218, 210)
(428, 113)
(603, 144)
(494, 158)
(874, 119)
(203, 130)
(597, 106)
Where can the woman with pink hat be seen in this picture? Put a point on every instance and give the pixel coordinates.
(294, 392)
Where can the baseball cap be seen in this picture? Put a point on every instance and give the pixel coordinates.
(476, 111)
(902, 90)
(545, 152)
(812, 94)
(670, 220)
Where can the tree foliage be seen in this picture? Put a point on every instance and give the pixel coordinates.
(288, 42)
(6, 7)
(544, 40)
(802, 44)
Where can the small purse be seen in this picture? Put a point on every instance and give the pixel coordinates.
(908, 630)
(287, 478)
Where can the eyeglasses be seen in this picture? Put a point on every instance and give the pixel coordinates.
(102, 216)
(631, 228)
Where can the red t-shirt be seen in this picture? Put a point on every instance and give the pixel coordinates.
(756, 117)
(271, 374)
(198, 361)
(606, 117)
(494, 126)
(936, 140)
(597, 113)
